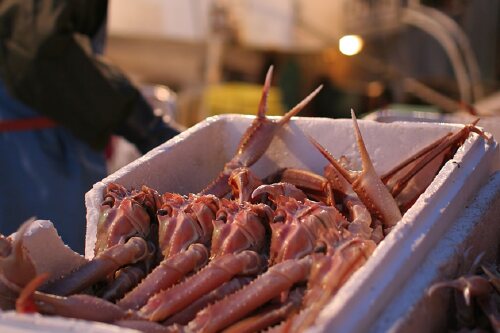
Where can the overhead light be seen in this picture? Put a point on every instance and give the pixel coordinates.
(350, 44)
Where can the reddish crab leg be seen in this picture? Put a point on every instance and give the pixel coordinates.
(170, 271)
(370, 188)
(255, 140)
(105, 263)
(269, 316)
(328, 274)
(185, 316)
(411, 177)
(76, 306)
(217, 272)
(125, 279)
(316, 186)
(279, 278)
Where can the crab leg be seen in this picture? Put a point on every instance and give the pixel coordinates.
(410, 178)
(76, 306)
(217, 272)
(255, 140)
(107, 262)
(316, 186)
(269, 316)
(328, 274)
(370, 188)
(279, 278)
(170, 271)
(125, 279)
(185, 316)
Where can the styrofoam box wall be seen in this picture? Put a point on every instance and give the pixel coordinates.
(192, 159)
(475, 232)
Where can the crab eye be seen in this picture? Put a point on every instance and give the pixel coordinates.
(222, 216)
(165, 210)
(108, 201)
(279, 217)
(320, 248)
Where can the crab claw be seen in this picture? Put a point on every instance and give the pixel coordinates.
(255, 140)
(370, 188)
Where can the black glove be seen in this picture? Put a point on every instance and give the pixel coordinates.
(144, 129)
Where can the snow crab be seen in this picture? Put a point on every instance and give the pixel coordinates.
(244, 254)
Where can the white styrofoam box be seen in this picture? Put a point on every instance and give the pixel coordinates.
(476, 231)
(188, 162)
(47, 251)
(11, 322)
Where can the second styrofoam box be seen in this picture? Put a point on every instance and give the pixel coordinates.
(191, 160)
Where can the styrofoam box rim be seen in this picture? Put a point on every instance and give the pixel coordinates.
(394, 260)
(13, 322)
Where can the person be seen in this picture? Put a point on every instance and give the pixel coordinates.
(59, 103)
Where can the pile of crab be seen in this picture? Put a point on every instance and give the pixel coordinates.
(242, 255)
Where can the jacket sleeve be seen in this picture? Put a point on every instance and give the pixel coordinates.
(46, 61)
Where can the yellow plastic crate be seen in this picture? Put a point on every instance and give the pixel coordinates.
(242, 98)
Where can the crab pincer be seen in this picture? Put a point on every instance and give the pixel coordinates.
(255, 140)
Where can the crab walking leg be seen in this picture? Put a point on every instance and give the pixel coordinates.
(269, 316)
(169, 272)
(185, 316)
(255, 140)
(370, 188)
(437, 149)
(219, 271)
(125, 279)
(107, 262)
(316, 186)
(328, 275)
(279, 278)
(77, 306)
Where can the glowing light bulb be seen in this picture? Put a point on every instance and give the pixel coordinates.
(350, 44)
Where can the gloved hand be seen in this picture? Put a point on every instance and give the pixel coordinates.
(144, 129)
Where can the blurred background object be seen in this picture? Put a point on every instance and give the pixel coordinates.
(439, 53)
